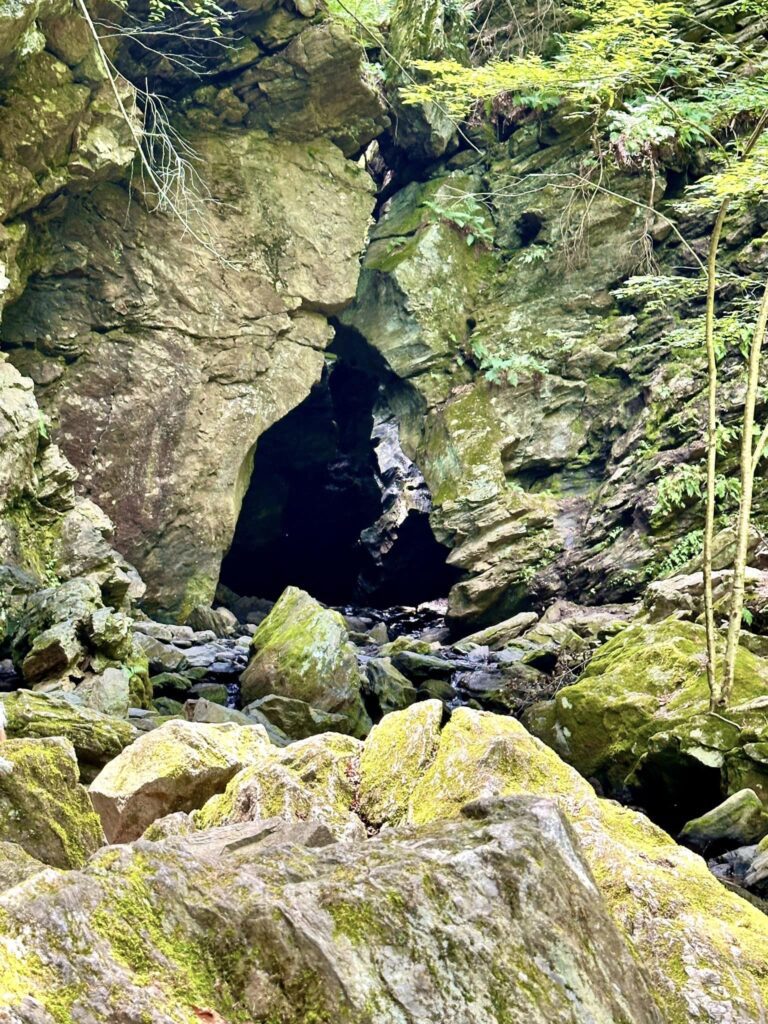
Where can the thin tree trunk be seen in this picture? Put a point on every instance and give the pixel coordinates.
(717, 697)
(715, 688)
(748, 465)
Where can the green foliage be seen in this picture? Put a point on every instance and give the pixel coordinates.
(654, 294)
(466, 213)
(689, 546)
(620, 42)
(505, 368)
(651, 92)
(686, 483)
(535, 254)
(207, 12)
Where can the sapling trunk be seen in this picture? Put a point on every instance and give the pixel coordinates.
(715, 688)
(748, 466)
(717, 698)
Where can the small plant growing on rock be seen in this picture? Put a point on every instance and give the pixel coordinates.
(466, 213)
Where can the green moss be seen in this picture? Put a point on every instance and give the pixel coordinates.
(644, 690)
(36, 532)
(132, 922)
(43, 808)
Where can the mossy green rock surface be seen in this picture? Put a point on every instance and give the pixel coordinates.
(640, 712)
(43, 807)
(312, 780)
(738, 821)
(481, 920)
(176, 767)
(704, 948)
(96, 737)
(302, 651)
(16, 865)
(396, 754)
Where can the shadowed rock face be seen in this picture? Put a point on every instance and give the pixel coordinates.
(489, 918)
(334, 504)
(169, 364)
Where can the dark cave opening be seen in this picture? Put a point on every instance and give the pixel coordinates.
(672, 788)
(334, 505)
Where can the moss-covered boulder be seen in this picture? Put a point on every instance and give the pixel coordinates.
(638, 721)
(741, 820)
(312, 780)
(485, 919)
(398, 751)
(302, 651)
(295, 718)
(43, 807)
(703, 947)
(176, 767)
(96, 737)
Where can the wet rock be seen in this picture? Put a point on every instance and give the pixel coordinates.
(740, 820)
(216, 693)
(302, 652)
(312, 780)
(174, 768)
(295, 718)
(97, 738)
(422, 666)
(313, 927)
(386, 688)
(43, 807)
(171, 682)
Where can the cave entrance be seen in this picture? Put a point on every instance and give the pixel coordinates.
(334, 505)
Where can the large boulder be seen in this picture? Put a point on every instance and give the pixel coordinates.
(312, 780)
(638, 721)
(741, 820)
(96, 737)
(302, 651)
(43, 807)
(397, 752)
(403, 929)
(703, 947)
(176, 767)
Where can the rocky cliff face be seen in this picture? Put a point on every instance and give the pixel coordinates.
(161, 362)
(530, 382)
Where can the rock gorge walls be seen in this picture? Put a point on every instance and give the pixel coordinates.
(160, 362)
(165, 365)
(543, 396)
